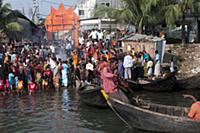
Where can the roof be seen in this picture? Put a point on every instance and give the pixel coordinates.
(61, 19)
(142, 37)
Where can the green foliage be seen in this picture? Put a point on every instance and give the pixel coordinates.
(150, 12)
(171, 13)
(8, 20)
(14, 26)
(137, 12)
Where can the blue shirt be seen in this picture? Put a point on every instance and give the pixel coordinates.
(11, 78)
(157, 57)
(65, 67)
(146, 56)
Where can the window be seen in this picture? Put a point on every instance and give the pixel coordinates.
(81, 12)
(108, 4)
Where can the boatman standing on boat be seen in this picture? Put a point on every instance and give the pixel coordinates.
(107, 78)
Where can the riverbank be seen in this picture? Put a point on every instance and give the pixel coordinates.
(189, 59)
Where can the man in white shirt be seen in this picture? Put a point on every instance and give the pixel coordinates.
(52, 49)
(68, 47)
(128, 64)
(94, 35)
(100, 35)
(81, 40)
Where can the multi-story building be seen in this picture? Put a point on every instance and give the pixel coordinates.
(110, 3)
(86, 8)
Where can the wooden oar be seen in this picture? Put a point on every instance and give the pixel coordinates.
(128, 93)
(113, 109)
(190, 96)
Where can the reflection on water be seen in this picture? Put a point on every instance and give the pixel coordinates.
(62, 112)
(54, 112)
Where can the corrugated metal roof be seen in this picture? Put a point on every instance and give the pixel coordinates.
(142, 37)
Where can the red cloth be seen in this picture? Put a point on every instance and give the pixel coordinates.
(31, 86)
(7, 84)
(48, 73)
(1, 85)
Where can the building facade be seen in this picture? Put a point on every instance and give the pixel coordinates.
(86, 8)
(110, 3)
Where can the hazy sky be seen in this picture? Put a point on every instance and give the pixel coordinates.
(26, 5)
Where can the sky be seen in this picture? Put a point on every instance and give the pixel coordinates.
(44, 6)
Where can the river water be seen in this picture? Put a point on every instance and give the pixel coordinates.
(62, 112)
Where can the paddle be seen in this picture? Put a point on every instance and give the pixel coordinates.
(106, 96)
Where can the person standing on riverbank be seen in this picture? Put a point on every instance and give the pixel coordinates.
(128, 64)
(171, 62)
(157, 64)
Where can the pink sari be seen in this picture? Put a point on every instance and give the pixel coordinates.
(108, 84)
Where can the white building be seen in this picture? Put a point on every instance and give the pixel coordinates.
(85, 8)
(95, 23)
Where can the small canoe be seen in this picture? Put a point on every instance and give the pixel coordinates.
(91, 95)
(155, 117)
(158, 85)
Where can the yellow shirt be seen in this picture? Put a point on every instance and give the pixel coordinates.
(75, 59)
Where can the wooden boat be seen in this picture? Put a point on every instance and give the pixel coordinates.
(189, 83)
(92, 96)
(158, 85)
(154, 117)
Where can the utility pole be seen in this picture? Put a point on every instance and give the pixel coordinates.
(23, 11)
(35, 16)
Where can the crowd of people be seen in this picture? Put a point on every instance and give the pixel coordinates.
(98, 59)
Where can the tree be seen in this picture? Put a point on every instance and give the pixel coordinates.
(137, 12)
(178, 10)
(143, 13)
(8, 19)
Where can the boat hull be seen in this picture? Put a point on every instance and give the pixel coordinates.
(160, 85)
(91, 95)
(189, 83)
(147, 120)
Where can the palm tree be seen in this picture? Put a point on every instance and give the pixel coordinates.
(123, 16)
(137, 12)
(151, 13)
(178, 10)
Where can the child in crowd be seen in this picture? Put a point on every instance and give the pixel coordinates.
(11, 79)
(20, 86)
(31, 87)
(1, 87)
